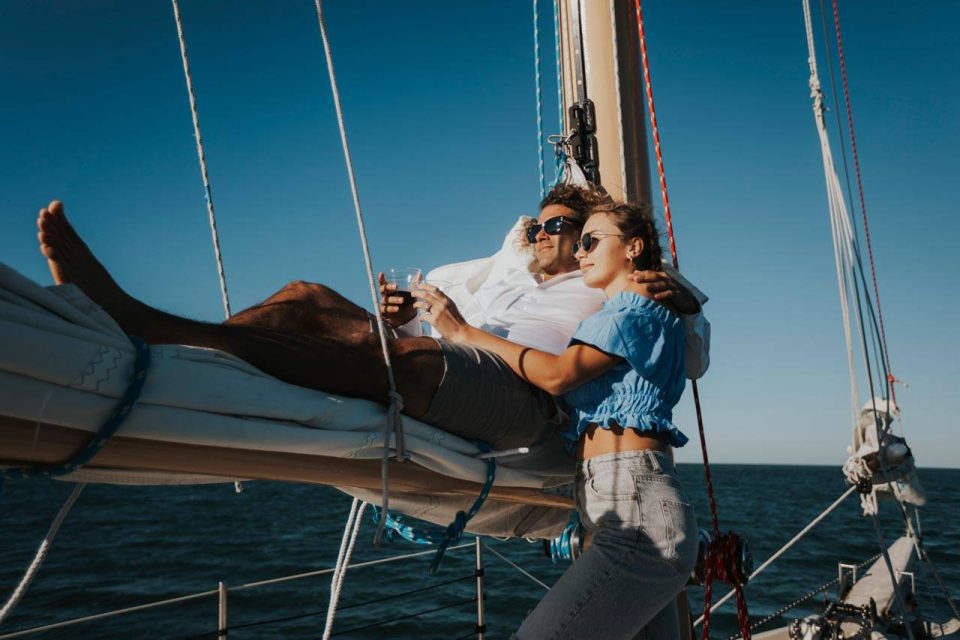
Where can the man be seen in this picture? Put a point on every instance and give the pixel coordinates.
(309, 335)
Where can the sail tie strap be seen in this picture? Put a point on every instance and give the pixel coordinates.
(442, 537)
(742, 613)
(106, 430)
(394, 423)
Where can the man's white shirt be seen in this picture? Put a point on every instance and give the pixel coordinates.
(514, 303)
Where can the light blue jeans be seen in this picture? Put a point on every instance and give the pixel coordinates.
(643, 548)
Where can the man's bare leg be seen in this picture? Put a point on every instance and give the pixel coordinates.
(350, 364)
(308, 308)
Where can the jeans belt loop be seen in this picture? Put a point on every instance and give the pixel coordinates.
(653, 460)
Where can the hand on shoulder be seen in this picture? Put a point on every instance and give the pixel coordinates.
(660, 287)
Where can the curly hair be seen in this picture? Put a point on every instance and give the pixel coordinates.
(578, 199)
(635, 221)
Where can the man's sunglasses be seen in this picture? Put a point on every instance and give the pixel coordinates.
(590, 240)
(553, 226)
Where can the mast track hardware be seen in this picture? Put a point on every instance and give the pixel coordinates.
(583, 139)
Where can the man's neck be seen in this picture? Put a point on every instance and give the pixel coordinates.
(549, 276)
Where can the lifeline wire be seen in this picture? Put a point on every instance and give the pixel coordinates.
(406, 617)
(204, 594)
(516, 566)
(794, 540)
(310, 614)
(796, 603)
(394, 421)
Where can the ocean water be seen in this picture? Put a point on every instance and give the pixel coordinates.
(124, 546)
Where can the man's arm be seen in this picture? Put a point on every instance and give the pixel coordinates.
(696, 344)
(670, 288)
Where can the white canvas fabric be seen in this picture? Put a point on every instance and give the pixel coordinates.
(64, 361)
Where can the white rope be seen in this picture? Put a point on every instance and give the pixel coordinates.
(843, 239)
(203, 159)
(350, 530)
(536, 82)
(394, 420)
(794, 540)
(842, 230)
(41, 554)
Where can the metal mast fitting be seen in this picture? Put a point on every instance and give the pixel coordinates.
(603, 100)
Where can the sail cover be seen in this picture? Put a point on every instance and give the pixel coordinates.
(65, 362)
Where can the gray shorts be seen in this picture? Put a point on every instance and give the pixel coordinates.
(481, 398)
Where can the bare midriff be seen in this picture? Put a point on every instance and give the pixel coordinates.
(597, 441)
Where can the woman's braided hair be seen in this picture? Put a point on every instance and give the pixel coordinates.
(635, 221)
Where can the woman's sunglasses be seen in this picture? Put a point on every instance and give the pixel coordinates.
(553, 226)
(590, 240)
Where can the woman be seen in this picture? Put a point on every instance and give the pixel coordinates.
(621, 377)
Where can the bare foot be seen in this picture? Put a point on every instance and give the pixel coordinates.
(71, 261)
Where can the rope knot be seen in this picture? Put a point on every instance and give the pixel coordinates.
(455, 528)
(396, 401)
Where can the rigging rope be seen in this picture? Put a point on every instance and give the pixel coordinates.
(537, 83)
(858, 271)
(718, 562)
(203, 159)
(394, 419)
(41, 554)
(350, 530)
(863, 204)
(840, 226)
(556, 52)
(840, 220)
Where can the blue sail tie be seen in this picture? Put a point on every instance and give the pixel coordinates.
(104, 433)
(398, 525)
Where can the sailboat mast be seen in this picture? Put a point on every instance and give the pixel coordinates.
(600, 61)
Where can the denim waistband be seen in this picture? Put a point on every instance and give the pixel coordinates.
(649, 460)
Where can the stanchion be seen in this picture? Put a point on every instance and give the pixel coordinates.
(222, 611)
(481, 628)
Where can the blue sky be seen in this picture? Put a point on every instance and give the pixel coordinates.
(439, 101)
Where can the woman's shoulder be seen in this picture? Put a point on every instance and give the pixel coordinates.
(631, 303)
